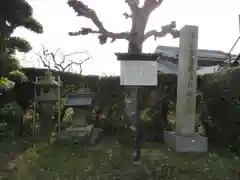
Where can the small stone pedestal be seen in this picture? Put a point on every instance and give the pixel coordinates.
(181, 143)
(185, 139)
(46, 123)
(79, 130)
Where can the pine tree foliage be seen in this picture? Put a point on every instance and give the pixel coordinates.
(14, 14)
(17, 13)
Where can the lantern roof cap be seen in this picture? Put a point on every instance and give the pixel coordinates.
(47, 80)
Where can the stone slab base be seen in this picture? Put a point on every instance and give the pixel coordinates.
(76, 132)
(180, 143)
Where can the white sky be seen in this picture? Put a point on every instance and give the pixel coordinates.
(217, 20)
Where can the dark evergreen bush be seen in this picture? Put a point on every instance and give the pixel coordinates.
(220, 108)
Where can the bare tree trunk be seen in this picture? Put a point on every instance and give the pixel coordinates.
(134, 47)
(139, 23)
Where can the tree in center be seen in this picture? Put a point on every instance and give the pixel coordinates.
(139, 16)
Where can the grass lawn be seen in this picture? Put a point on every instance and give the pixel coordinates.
(109, 161)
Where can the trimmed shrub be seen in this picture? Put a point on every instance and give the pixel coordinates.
(11, 116)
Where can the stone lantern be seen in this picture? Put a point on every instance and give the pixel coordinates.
(82, 102)
(47, 87)
(47, 97)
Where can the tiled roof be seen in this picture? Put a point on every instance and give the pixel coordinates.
(167, 67)
(209, 60)
(173, 52)
(208, 70)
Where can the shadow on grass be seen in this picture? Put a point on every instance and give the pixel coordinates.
(10, 149)
(106, 160)
(165, 163)
(59, 161)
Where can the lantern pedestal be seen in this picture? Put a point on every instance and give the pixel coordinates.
(45, 118)
(79, 130)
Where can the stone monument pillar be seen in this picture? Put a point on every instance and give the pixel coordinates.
(185, 139)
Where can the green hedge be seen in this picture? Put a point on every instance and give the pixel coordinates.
(109, 96)
(219, 109)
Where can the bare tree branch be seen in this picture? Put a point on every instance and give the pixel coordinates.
(64, 64)
(78, 64)
(83, 10)
(151, 5)
(139, 17)
(43, 59)
(70, 54)
(126, 15)
(167, 29)
(133, 4)
(73, 53)
(56, 51)
(45, 52)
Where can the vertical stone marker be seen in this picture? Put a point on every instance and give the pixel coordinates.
(185, 139)
(187, 81)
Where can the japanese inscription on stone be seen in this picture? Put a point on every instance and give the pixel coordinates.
(191, 69)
